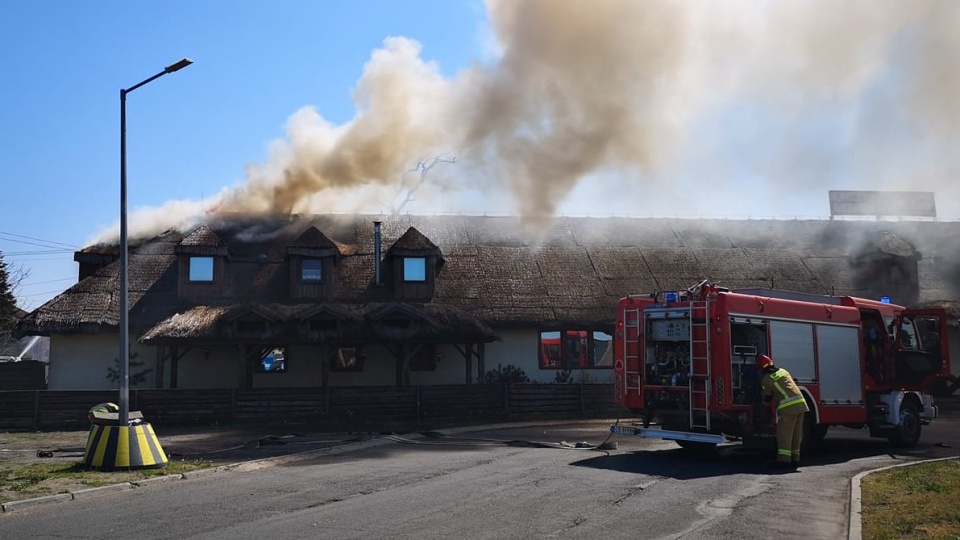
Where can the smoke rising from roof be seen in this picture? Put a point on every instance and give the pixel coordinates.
(667, 97)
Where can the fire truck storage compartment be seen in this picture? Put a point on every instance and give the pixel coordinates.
(841, 378)
(667, 354)
(792, 346)
(748, 339)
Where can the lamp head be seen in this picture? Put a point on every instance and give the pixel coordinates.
(178, 65)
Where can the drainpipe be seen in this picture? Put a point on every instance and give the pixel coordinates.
(376, 253)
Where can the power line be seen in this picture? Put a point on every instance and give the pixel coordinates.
(48, 281)
(31, 243)
(37, 252)
(58, 291)
(71, 246)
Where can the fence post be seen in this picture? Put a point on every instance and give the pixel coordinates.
(233, 405)
(583, 406)
(506, 399)
(36, 410)
(418, 402)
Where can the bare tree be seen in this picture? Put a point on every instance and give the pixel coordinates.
(422, 168)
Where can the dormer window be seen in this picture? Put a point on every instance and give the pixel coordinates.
(413, 263)
(311, 270)
(201, 269)
(203, 261)
(311, 258)
(414, 268)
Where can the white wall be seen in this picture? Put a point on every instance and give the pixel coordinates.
(207, 367)
(80, 362)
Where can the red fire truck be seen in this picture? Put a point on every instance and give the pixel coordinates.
(688, 359)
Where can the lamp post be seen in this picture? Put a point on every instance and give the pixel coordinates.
(124, 415)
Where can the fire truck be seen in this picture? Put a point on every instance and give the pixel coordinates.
(687, 359)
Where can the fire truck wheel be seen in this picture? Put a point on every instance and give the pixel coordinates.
(813, 433)
(908, 432)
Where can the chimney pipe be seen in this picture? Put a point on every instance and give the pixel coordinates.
(376, 253)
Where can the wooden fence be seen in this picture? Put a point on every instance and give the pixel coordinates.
(66, 409)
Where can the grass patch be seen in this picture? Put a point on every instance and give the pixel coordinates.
(912, 502)
(36, 480)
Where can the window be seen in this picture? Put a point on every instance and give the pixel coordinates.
(414, 269)
(311, 270)
(347, 359)
(602, 353)
(201, 269)
(425, 359)
(575, 349)
(273, 360)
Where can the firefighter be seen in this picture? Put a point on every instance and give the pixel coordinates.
(777, 385)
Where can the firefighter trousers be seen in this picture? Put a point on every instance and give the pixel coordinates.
(789, 433)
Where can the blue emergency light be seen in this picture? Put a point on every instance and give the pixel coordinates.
(671, 297)
(885, 299)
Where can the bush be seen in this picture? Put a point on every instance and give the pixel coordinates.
(509, 374)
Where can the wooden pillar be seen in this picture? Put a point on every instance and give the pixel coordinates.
(158, 380)
(403, 364)
(248, 365)
(481, 366)
(174, 366)
(468, 357)
(325, 366)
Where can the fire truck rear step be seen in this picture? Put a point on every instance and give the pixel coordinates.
(707, 438)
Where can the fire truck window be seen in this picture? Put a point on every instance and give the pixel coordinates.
(928, 329)
(908, 335)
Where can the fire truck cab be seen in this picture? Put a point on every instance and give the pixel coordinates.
(687, 359)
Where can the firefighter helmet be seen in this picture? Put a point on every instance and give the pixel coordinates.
(764, 361)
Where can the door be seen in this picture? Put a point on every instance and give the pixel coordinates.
(920, 346)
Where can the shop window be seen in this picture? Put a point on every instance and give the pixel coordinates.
(347, 359)
(414, 269)
(201, 269)
(273, 360)
(575, 349)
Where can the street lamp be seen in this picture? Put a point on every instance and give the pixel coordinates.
(124, 415)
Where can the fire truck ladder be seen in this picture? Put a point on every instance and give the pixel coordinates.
(700, 373)
(631, 350)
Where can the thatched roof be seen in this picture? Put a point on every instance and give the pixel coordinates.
(355, 323)
(501, 276)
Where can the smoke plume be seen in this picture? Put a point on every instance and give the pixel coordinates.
(715, 102)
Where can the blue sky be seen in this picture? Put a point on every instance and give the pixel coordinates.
(732, 110)
(190, 133)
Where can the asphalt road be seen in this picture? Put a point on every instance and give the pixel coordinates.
(478, 485)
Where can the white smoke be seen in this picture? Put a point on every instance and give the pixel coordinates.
(745, 106)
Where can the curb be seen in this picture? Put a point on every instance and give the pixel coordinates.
(84, 493)
(253, 465)
(855, 522)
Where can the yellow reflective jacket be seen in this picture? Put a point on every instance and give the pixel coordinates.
(785, 392)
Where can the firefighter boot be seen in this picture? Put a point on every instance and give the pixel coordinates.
(795, 464)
